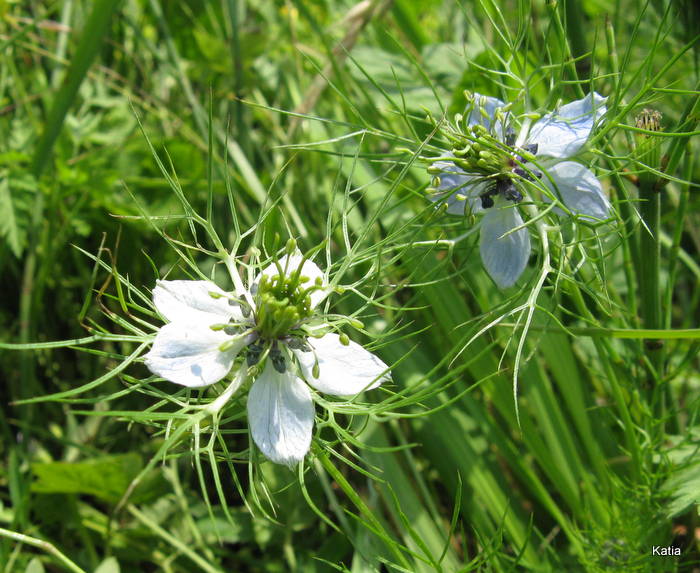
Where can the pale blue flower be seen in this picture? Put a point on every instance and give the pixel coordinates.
(487, 179)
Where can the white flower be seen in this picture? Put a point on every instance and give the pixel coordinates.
(209, 328)
(486, 178)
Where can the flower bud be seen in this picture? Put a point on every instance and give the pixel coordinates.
(648, 146)
(649, 119)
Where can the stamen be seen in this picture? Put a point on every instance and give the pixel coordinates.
(297, 343)
(530, 176)
(278, 360)
(253, 354)
(486, 200)
(530, 148)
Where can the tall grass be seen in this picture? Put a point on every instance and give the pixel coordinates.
(547, 427)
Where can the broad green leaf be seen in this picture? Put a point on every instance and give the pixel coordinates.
(106, 477)
(109, 565)
(35, 566)
(237, 530)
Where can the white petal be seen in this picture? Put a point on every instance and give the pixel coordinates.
(281, 416)
(564, 132)
(309, 270)
(190, 301)
(489, 105)
(504, 258)
(455, 182)
(343, 370)
(188, 354)
(579, 189)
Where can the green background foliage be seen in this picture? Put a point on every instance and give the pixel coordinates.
(131, 129)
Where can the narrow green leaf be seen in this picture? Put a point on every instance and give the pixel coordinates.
(94, 32)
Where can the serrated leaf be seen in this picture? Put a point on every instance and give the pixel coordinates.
(684, 490)
(9, 224)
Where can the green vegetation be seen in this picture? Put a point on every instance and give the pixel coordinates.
(549, 426)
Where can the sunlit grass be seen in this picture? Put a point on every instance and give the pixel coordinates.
(551, 426)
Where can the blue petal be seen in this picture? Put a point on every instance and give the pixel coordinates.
(489, 105)
(561, 134)
(579, 190)
(504, 257)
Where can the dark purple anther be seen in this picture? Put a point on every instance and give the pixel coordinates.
(530, 176)
(513, 194)
(508, 190)
(486, 200)
(530, 148)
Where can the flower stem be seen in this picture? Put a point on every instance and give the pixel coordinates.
(43, 545)
(650, 290)
(605, 349)
(575, 20)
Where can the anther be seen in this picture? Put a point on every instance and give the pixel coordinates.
(278, 361)
(486, 200)
(298, 343)
(253, 354)
(530, 148)
(512, 194)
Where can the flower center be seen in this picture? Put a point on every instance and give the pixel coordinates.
(501, 163)
(481, 153)
(281, 305)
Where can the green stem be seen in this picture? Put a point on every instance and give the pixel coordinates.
(575, 20)
(650, 255)
(44, 546)
(174, 541)
(604, 349)
(651, 293)
(674, 250)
